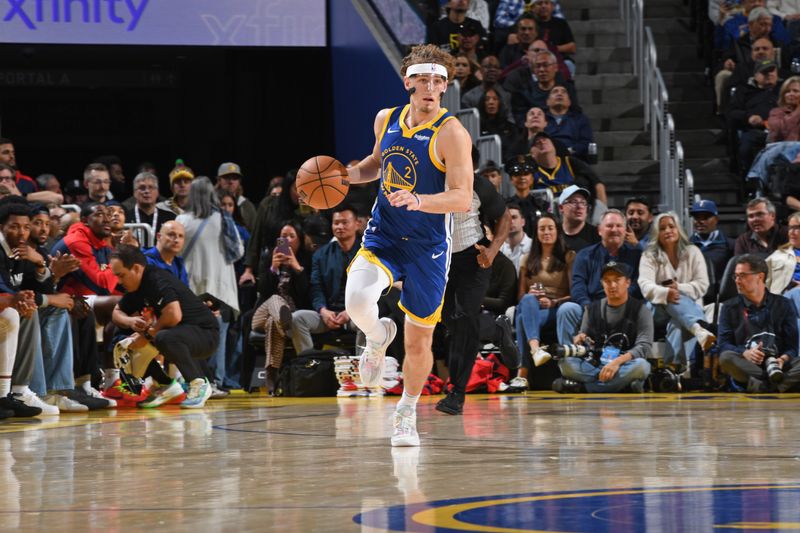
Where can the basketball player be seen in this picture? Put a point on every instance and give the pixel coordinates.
(422, 156)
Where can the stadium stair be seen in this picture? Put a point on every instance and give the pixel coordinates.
(609, 96)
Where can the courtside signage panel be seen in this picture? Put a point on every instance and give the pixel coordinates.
(164, 22)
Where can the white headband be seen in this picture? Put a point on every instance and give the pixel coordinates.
(427, 68)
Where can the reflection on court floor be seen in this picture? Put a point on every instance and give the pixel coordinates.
(536, 462)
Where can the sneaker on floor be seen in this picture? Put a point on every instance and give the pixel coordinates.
(13, 403)
(541, 357)
(64, 404)
(567, 386)
(405, 428)
(199, 393)
(164, 394)
(217, 393)
(79, 395)
(518, 383)
(94, 393)
(373, 360)
(30, 399)
(637, 386)
(124, 396)
(452, 404)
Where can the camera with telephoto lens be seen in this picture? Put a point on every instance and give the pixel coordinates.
(774, 370)
(664, 380)
(766, 342)
(560, 351)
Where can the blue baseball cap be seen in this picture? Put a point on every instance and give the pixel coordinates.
(704, 206)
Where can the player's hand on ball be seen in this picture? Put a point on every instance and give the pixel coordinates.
(405, 198)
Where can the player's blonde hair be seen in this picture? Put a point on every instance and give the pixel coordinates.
(429, 53)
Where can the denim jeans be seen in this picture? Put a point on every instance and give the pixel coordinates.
(216, 363)
(568, 320)
(794, 296)
(577, 369)
(682, 316)
(528, 320)
(57, 353)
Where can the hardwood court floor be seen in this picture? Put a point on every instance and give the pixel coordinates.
(692, 462)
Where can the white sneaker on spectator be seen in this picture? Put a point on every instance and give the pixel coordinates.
(94, 393)
(217, 393)
(519, 383)
(29, 398)
(704, 337)
(64, 404)
(541, 357)
(373, 358)
(405, 427)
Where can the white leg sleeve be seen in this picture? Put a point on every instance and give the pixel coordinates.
(9, 331)
(365, 284)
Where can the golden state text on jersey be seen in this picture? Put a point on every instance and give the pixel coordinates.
(408, 161)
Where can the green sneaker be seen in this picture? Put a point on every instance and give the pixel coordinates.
(162, 394)
(199, 393)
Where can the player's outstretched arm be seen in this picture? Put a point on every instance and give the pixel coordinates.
(368, 168)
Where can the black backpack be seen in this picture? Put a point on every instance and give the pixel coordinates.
(309, 374)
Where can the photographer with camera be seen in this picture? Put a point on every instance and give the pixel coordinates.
(615, 338)
(758, 333)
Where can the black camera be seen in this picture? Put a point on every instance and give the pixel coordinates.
(560, 351)
(766, 342)
(664, 380)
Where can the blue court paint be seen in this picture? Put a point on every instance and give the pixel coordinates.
(715, 508)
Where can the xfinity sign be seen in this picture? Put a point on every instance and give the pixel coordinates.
(164, 22)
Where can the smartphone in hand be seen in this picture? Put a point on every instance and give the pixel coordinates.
(282, 246)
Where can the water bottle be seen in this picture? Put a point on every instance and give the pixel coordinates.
(592, 154)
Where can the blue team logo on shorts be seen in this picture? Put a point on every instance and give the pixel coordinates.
(399, 171)
(767, 506)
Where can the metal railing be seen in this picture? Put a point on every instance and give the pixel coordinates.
(675, 180)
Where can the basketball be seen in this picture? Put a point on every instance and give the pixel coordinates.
(322, 182)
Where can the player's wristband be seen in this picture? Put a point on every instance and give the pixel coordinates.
(419, 200)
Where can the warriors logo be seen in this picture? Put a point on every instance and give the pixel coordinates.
(399, 170)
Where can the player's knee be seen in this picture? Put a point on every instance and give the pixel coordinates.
(358, 304)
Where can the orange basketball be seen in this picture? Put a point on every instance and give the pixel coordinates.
(322, 182)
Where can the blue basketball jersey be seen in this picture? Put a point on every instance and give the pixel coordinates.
(559, 179)
(408, 161)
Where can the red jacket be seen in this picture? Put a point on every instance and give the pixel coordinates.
(94, 276)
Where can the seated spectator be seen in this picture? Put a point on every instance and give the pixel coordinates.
(116, 218)
(284, 288)
(166, 254)
(180, 180)
(544, 284)
(573, 205)
(526, 33)
(10, 404)
(182, 329)
(557, 173)
(763, 234)
(97, 182)
(75, 193)
(755, 328)
(520, 170)
(527, 93)
(716, 247)
(639, 215)
(144, 211)
(472, 45)
(229, 178)
(213, 246)
(494, 121)
(784, 269)
(586, 282)
(227, 202)
(465, 72)
(749, 110)
(490, 73)
(752, 16)
(48, 182)
(567, 125)
(120, 186)
(272, 214)
(673, 278)
(784, 120)
(8, 156)
(535, 122)
(446, 32)
(737, 70)
(9, 185)
(327, 283)
(555, 31)
(620, 328)
(518, 243)
(493, 173)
